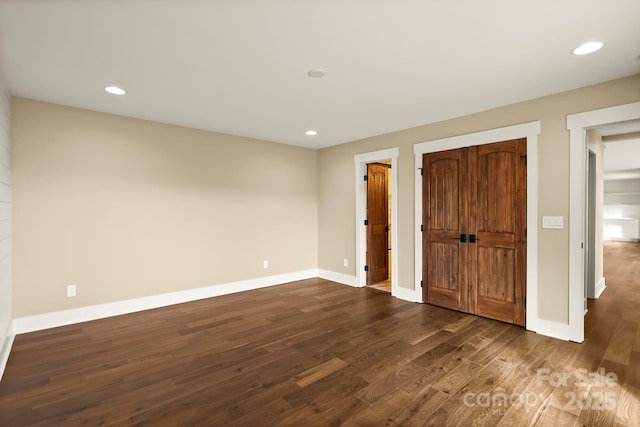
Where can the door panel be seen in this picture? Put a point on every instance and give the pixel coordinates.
(444, 187)
(496, 278)
(378, 222)
(497, 222)
(444, 275)
(496, 193)
(445, 206)
(479, 192)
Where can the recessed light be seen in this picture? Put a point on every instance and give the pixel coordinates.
(587, 48)
(311, 132)
(115, 90)
(316, 73)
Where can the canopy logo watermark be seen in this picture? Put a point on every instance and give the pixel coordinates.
(585, 391)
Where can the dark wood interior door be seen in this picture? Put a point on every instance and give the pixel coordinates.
(445, 219)
(377, 223)
(498, 219)
(479, 195)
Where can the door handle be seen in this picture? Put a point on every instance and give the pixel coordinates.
(463, 238)
(473, 238)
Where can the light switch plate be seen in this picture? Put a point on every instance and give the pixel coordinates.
(553, 222)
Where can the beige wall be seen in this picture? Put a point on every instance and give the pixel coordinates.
(336, 223)
(126, 208)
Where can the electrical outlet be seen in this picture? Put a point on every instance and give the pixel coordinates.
(71, 290)
(346, 262)
(265, 263)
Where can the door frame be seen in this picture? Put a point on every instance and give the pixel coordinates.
(361, 161)
(578, 124)
(530, 131)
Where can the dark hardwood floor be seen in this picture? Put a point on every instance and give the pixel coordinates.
(318, 353)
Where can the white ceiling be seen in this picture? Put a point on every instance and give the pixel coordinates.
(622, 155)
(622, 159)
(620, 129)
(622, 150)
(240, 66)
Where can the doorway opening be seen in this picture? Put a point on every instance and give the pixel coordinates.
(579, 126)
(378, 224)
(614, 215)
(621, 184)
(376, 220)
(617, 231)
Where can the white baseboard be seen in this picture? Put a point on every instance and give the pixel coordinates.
(406, 294)
(345, 279)
(600, 287)
(5, 351)
(38, 322)
(83, 314)
(552, 329)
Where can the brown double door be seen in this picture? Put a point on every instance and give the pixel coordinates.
(474, 230)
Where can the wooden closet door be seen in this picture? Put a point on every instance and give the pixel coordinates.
(498, 197)
(479, 193)
(445, 217)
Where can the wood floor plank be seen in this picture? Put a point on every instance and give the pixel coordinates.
(627, 411)
(532, 401)
(421, 408)
(498, 344)
(380, 387)
(457, 378)
(318, 372)
(619, 350)
(553, 416)
(385, 411)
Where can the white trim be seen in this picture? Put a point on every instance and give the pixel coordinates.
(5, 351)
(406, 294)
(600, 287)
(100, 311)
(552, 329)
(577, 124)
(530, 131)
(345, 279)
(361, 161)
